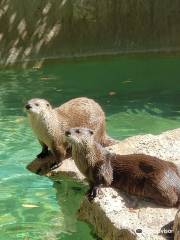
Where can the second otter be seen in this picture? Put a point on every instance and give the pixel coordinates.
(137, 174)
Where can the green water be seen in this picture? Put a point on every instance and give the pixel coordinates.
(146, 100)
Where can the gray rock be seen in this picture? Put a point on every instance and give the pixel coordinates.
(113, 219)
(112, 213)
(165, 146)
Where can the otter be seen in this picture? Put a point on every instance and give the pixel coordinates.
(50, 124)
(137, 174)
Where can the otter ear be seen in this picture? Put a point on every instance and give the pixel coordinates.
(91, 132)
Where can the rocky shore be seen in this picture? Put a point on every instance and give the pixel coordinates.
(112, 213)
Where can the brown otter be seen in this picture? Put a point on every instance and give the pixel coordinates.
(50, 124)
(137, 174)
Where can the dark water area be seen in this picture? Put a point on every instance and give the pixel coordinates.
(138, 94)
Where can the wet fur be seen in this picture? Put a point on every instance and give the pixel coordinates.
(147, 176)
(92, 164)
(50, 125)
(137, 174)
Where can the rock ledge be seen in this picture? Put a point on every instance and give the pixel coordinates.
(111, 213)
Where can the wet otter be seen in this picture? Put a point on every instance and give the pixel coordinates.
(137, 174)
(50, 124)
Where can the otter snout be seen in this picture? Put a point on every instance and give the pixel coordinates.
(28, 106)
(67, 133)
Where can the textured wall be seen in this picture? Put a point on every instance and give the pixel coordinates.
(61, 28)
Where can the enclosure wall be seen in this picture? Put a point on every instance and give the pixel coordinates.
(64, 28)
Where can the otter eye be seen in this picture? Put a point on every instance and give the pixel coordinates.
(47, 104)
(37, 104)
(91, 132)
(77, 131)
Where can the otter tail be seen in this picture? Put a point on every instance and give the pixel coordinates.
(109, 141)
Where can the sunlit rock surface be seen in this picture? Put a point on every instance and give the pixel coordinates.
(114, 218)
(112, 213)
(165, 146)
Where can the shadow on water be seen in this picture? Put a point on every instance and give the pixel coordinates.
(119, 84)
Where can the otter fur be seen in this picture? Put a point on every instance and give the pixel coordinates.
(50, 124)
(137, 174)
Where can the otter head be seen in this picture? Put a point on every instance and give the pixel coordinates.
(79, 136)
(37, 106)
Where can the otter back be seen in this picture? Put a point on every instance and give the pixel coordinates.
(147, 176)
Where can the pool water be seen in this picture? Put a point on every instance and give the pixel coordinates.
(139, 95)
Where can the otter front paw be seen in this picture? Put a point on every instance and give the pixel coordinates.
(92, 193)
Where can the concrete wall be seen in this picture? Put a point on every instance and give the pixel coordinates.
(61, 28)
